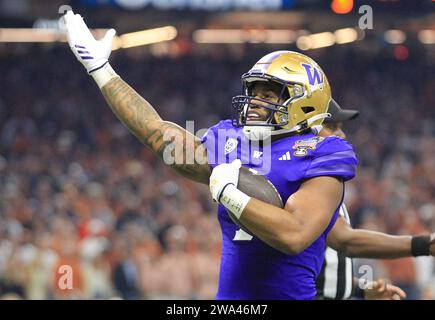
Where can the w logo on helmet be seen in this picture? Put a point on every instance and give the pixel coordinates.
(313, 73)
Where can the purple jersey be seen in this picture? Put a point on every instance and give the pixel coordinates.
(250, 268)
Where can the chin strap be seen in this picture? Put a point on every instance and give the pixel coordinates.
(316, 129)
(256, 133)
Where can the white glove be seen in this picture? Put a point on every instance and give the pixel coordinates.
(93, 54)
(223, 175)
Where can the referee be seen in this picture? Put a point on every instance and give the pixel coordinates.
(335, 281)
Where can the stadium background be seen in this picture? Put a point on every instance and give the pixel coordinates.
(77, 189)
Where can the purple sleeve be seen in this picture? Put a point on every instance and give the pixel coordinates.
(333, 157)
(211, 141)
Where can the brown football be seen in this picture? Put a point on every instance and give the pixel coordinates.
(258, 187)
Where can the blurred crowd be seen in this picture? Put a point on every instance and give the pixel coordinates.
(78, 190)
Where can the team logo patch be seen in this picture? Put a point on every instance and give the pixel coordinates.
(302, 146)
(230, 145)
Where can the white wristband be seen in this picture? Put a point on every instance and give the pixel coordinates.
(103, 75)
(234, 200)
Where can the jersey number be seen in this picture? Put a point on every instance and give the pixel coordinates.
(242, 236)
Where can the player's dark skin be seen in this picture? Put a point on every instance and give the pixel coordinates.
(265, 91)
(143, 121)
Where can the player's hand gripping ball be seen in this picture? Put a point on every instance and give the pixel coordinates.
(222, 176)
(247, 181)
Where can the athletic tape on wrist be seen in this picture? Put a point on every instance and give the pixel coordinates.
(234, 200)
(103, 74)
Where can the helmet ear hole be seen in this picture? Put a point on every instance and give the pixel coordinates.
(307, 109)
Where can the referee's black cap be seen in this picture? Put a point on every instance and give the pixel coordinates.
(338, 114)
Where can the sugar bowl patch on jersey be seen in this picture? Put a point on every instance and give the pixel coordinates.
(302, 146)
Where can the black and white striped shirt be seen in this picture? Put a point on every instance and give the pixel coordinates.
(335, 279)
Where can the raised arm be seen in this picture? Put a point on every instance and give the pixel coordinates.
(376, 245)
(185, 152)
(144, 122)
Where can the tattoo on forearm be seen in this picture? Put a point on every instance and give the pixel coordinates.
(144, 122)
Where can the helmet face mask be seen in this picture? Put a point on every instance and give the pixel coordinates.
(277, 110)
(242, 105)
(302, 91)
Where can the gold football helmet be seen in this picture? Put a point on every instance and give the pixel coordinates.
(305, 91)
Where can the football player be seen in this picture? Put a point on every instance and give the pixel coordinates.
(286, 96)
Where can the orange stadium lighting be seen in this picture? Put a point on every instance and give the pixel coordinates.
(38, 35)
(128, 40)
(426, 36)
(234, 36)
(30, 35)
(342, 6)
(345, 35)
(218, 36)
(327, 39)
(394, 36)
(316, 41)
(145, 37)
